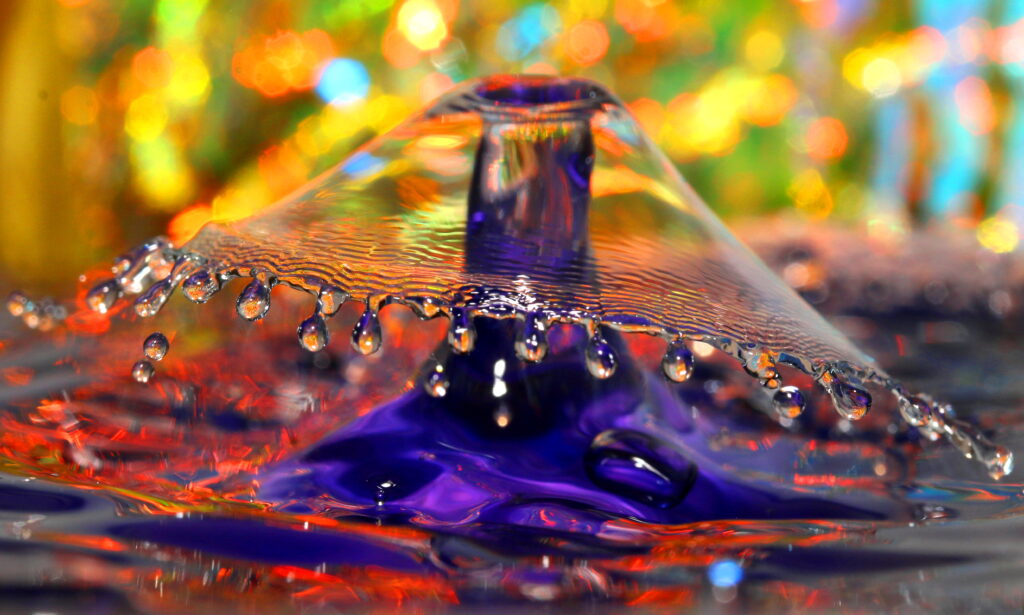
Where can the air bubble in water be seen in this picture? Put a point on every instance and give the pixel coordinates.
(330, 299)
(532, 340)
(143, 371)
(461, 334)
(18, 304)
(312, 332)
(677, 364)
(601, 357)
(366, 335)
(200, 286)
(436, 381)
(788, 402)
(156, 345)
(103, 296)
(254, 301)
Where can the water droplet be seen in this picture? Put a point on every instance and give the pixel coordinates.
(200, 286)
(640, 467)
(153, 300)
(17, 303)
(156, 345)
(850, 401)
(424, 307)
(999, 462)
(330, 299)
(601, 358)
(143, 371)
(461, 333)
(788, 402)
(254, 301)
(677, 364)
(312, 332)
(436, 381)
(916, 411)
(532, 340)
(103, 296)
(366, 335)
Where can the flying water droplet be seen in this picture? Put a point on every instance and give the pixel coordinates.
(601, 357)
(143, 371)
(532, 340)
(313, 334)
(330, 299)
(254, 301)
(152, 301)
(461, 333)
(17, 304)
(788, 402)
(640, 467)
(156, 346)
(436, 381)
(103, 296)
(677, 364)
(201, 286)
(366, 335)
(850, 401)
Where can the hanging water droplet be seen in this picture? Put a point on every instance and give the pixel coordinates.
(330, 299)
(17, 303)
(200, 286)
(153, 300)
(916, 411)
(850, 401)
(461, 333)
(677, 364)
(436, 381)
(143, 371)
(640, 467)
(788, 402)
(532, 339)
(103, 296)
(366, 335)
(156, 345)
(601, 358)
(254, 301)
(424, 307)
(312, 332)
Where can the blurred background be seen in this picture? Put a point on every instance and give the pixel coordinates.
(121, 119)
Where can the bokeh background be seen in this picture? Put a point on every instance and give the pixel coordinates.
(121, 119)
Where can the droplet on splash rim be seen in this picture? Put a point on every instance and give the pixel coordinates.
(788, 402)
(254, 301)
(532, 342)
(103, 296)
(601, 358)
(677, 364)
(201, 286)
(312, 333)
(366, 335)
(461, 334)
(330, 299)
